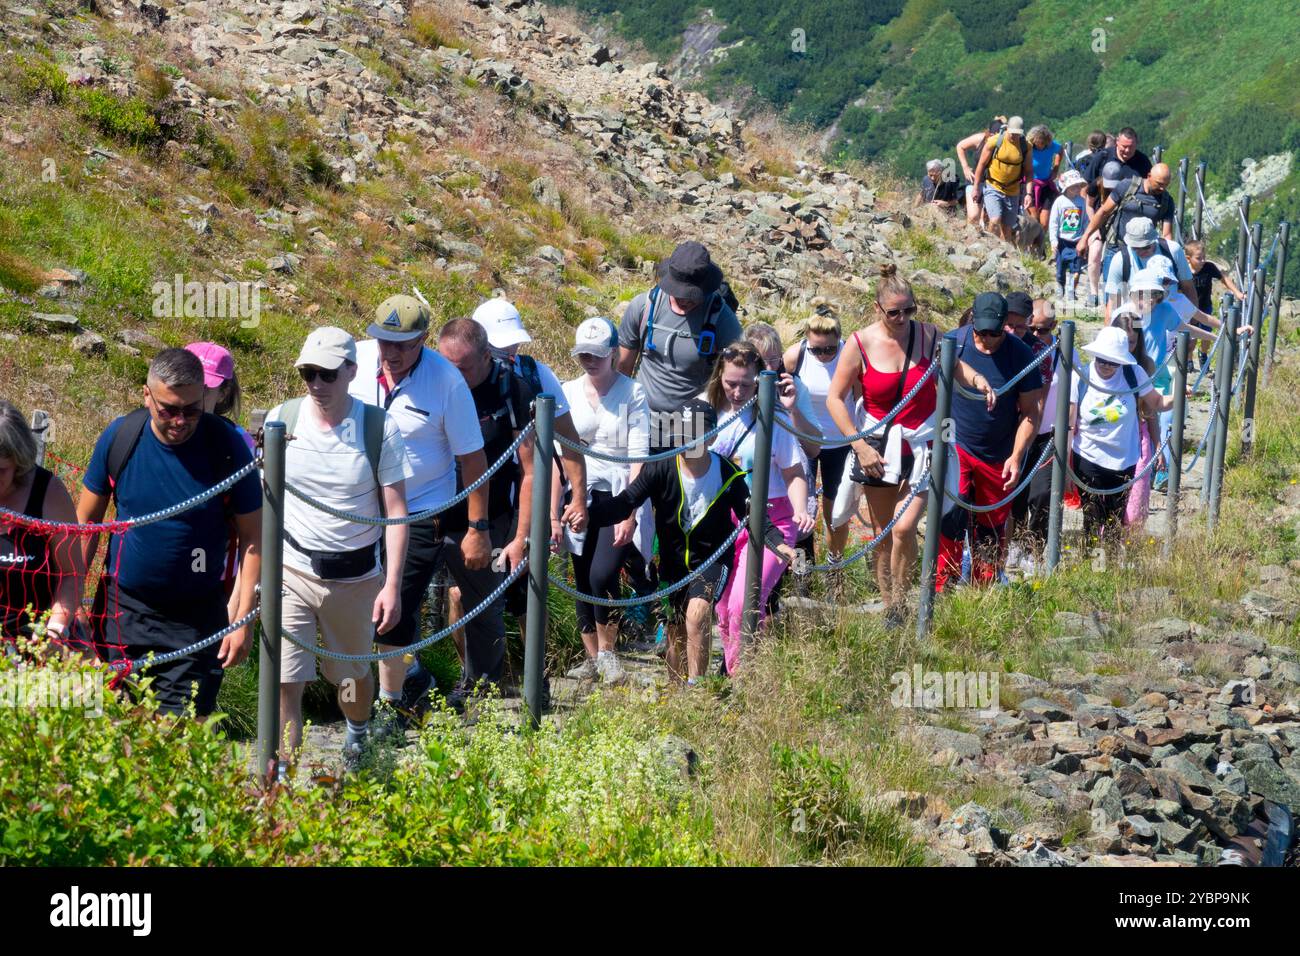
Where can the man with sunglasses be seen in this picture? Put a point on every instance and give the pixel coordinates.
(428, 399)
(991, 444)
(162, 587)
(338, 582)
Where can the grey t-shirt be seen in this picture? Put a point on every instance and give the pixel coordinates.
(675, 371)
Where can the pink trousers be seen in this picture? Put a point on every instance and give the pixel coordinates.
(731, 606)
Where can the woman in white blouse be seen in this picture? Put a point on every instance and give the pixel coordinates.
(610, 415)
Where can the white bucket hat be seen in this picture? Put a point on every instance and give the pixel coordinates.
(1111, 344)
(1070, 178)
(1162, 266)
(1140, 233)
(502, 322)
(1147, 280)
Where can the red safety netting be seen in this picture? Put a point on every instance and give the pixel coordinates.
(44, 580)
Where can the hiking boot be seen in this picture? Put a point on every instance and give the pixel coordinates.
(895, 617)
(610, 668)
(584, 671)
(415, 690)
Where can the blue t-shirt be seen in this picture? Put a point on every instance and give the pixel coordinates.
(1161, 324)
(160, 559)
(991, 437)
(1043, 160)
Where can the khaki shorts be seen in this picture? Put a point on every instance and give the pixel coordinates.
(341, 611)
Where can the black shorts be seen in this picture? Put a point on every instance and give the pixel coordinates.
(128, 625)
(708, 586)
(830, 463)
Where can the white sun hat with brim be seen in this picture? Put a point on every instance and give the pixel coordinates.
(1162, 266)
(1147, 280)
(1111, 345)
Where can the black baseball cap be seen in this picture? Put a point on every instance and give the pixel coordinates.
(698, 408)
(1020, 303)
(990, 312)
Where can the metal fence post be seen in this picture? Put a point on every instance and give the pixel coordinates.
(938, 481)
(1200, 200)
(539, 551)
(1182, 194)
(1182, 350)
(1243, 239)
(1279, 276)
(41, 431)
(1252, 357)
(758, 485)
(268, 661)
(1219, 441)
(1061, 443)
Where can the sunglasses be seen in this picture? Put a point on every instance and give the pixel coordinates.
(411, 346)
(1102, 361)
(824, 351)
(990, 334)
(327, 375)
(193, 410)
(1041, 331)
(907, 310)
(743, 352)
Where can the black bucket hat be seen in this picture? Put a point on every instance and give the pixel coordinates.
(690, 273)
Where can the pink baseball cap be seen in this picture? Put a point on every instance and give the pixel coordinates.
(218, 363)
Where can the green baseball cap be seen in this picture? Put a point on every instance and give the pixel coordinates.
(400, 318)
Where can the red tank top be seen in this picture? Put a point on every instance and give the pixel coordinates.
(881, 390)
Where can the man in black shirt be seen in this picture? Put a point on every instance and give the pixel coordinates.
(502, 400)
(1132, 161)
(936, 190)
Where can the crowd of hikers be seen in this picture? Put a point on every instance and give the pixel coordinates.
(406, 418)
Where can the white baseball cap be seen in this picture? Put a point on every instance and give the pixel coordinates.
(1111, 344)
(502, 322)
(595, 336)
(327, 347)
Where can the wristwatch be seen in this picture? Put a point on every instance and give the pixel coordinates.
(481, 524)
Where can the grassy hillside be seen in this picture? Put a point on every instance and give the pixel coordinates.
(906, 79)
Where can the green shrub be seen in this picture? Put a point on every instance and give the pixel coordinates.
(123, 118)
(41, 81)
(814, 801)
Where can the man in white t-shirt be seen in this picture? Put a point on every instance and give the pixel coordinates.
(428, 398)
(352, 458)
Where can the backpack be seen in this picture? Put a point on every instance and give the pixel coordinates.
(706, 344)
(372, 431)
(1112, 237)
(127, 439)
(1026, 156)
(1162, 248)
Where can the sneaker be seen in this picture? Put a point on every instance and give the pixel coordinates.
(1015, 554)
(895, 617)
(584, 671)
(610, 668)
(1028, 565)
(353, 755)
(389, 724)
(1161, 482)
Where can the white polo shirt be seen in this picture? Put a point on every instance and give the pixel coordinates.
(435, 412)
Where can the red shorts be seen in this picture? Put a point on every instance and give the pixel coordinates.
(979, 483)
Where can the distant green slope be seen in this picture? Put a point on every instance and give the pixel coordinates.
(905, 79)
